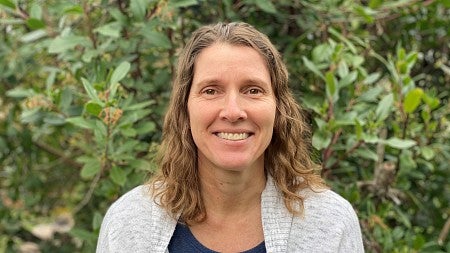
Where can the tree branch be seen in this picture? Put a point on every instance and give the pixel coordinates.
(57, 153)
(444, 232)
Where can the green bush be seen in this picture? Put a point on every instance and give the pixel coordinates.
(84, 85)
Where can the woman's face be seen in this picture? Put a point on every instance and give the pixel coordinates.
(231, 107)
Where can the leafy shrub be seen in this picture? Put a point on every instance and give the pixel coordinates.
(85, 84)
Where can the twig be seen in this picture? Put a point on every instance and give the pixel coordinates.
(86, 11)
(380, 153)
(57, 153)
(444, 232)
(346, 154)
(88, 195)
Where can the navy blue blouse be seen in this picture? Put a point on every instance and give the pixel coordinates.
(183, 241)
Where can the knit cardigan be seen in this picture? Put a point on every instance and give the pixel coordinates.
(135, 223)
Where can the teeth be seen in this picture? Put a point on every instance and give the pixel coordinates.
(233, 136)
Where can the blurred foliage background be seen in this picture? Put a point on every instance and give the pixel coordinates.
(84, 85)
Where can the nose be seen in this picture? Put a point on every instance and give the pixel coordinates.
(232, 109)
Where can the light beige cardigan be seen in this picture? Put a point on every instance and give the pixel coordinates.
(134, 223)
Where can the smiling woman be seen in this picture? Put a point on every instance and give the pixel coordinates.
(235, 172)
(231, 117)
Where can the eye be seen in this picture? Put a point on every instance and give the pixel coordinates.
(254, 91)
(209, 91)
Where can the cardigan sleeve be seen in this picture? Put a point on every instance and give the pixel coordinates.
(329, 224)
(351, 240)
(135, 224)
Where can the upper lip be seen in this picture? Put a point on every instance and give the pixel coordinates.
(233, 131)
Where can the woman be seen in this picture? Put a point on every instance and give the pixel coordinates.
(235, 172)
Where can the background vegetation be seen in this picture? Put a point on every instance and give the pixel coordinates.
(84, 85)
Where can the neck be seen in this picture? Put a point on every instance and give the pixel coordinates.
(230, 193)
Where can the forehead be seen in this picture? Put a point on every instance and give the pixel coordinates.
(222, 59)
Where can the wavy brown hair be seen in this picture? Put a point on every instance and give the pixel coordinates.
(287, 158)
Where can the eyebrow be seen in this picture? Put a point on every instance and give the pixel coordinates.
(249, 81)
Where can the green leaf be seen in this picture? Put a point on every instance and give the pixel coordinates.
(402, 217)
(311, 66)
(366, 154)
(144, 165)
(321, 139)
(426, 116)
(371, 95)
(431, 101)
(90, 168)
(313, 103)
(331, 87)
(66, 99)
(446, 3)
(157, 39)
(83, 235)
(81, 122)
(8, 4)
(119, 73)
(36, 11)
(427, 153)
(118, 176)
(412, 100)
(138, 105)
(266, 6)
(128, 132)
(31, 116)
(138, 8)
(375, 3)
(146, 127)
(400, 143)
(385, 107)
(401, 53)
(342, 69)
(370, 79)
(35, 23)
(62, 44)
(97, 221)
(183, 3)
(33, 35)
(54, 119)
(321, 124)
(92, 93)
(100, 130)
(75, 9)
(348, 79)
(366, 12)
(20, 93)
(411, 59)
(343, 39)
(93, 108)
(355, 60)
(321, 53)
(112, 29)
(370, 138)
(358, 129)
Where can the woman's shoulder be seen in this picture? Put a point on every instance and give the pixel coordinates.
(132, 206)
(326, 200)
(328, 210)
(134, 222)
(138, 197)
(326, 206)
(329, 220)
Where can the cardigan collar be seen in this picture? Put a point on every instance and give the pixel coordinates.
(276, 221)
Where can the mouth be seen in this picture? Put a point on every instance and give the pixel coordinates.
(233, 136)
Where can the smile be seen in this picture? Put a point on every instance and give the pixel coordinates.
(233, 136)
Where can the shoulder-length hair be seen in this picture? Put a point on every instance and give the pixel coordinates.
(176, 187)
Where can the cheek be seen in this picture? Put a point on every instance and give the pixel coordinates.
(199, 116)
